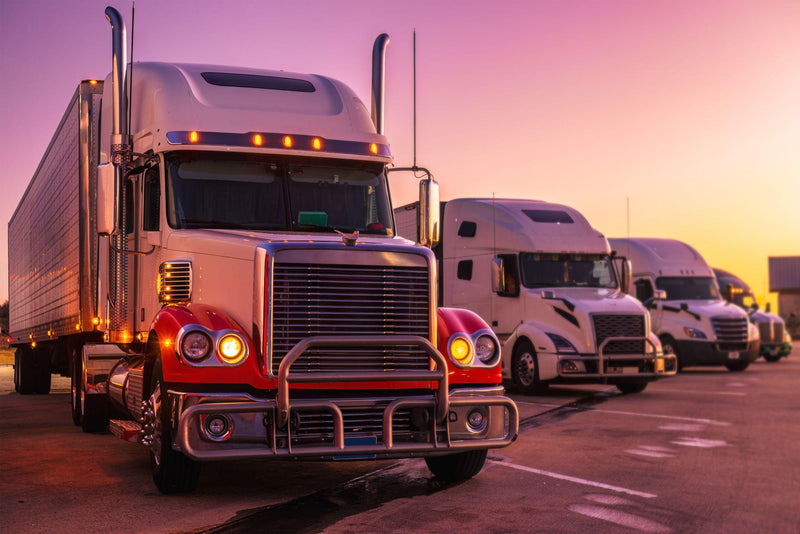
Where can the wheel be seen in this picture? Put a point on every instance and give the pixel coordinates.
(772, 359)
(737, 367)
(632, 387)
(173, 472)
(525, 370)
(457, 467)
(669, 346)
(16, 370)
(76, 386)
(25, 369)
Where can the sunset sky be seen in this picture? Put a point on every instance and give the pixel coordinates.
(688, 108)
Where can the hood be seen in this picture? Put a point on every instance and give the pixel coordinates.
(759, 316)
(591, 300)
(710, 308)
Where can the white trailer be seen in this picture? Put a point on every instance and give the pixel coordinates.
(544, 280)
(689, 315)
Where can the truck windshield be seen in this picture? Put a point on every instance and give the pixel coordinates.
(211, 190)
(566, 270)
(688, 288)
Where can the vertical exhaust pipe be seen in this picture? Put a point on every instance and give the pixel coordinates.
(119, 330)
(378, 80)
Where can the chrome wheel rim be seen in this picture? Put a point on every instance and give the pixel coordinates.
(526, 369)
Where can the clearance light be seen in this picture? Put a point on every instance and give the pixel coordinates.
(288, 142)
(231, 349)
(78, 327)
(96, 321)
(461, 350)
(194, 137)
(316, 143)
(33, 344)
(258, 139)
(373, 148)
(92, 82)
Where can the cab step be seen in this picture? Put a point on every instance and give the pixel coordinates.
(126, 429)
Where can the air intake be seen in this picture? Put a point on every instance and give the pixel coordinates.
(174, 281)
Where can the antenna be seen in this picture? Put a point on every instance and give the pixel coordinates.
(130, 71)
(494, 229)
(414, 55)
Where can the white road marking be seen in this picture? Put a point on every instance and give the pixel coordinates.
(611, 500)
(618, 517)
(576, 480)
(699, 442)
(643, 451)
(684, 427)
(703, 392)
(617, 412)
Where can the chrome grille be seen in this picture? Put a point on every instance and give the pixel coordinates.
(358, 421)
(174, 281)
(730, 329)
(614, 325)
(321, 299)
(771, 332)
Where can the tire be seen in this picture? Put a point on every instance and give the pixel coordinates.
(457, 467)
(16, 370)
(772, 359)
(76, 386)
(90, 412)
(737, 367)
(25, 370)
(669, 346)
(173, 472)
(525, 370)
(632, 387)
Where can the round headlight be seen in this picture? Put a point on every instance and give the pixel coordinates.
(195, 346)
(231, 348)
(461, 350)
(485, 348)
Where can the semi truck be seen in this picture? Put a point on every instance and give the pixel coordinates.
(546, 282)
(689, 314)
(209, 253)
(776, 343)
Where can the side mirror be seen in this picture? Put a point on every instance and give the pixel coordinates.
(429, 226)
(623, 268)
(768, 307)
(659, 294)
(105, 198)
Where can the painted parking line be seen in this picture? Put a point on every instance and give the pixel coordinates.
(576, 480)
(704, 392)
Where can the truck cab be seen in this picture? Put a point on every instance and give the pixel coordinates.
(776, 343)
(689, 314)
(545, 281)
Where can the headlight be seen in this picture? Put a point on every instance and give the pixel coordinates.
(461, 350)
(196, 346)
(485, 348)
(694, 333)
(562, 345)
(232, 349)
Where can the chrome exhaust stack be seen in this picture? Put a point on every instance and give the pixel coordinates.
(119, 329)
(379, 80)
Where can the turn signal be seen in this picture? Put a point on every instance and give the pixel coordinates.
(231, 349)
(461, 350)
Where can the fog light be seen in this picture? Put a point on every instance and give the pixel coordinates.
(659, 365)
(218, 427)
(569, 366)
(476, 420)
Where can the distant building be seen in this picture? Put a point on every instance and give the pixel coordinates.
(784, 279)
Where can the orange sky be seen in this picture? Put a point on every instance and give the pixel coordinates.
(690, 109)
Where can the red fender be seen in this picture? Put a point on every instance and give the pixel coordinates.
(169, 321)
(454, 320)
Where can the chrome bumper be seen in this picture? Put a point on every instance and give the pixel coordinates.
(665, 365)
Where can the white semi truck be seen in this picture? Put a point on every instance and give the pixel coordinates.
(689, 315)
(209, 252)
(776, 343)
(545, 281)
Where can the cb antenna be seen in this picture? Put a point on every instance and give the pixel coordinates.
(130, 71)
(414, 56)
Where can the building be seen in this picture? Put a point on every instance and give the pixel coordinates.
(784, 279)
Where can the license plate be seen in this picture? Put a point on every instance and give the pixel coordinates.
(358, 440)
(623, 370)
(773, 352)
(733, 355)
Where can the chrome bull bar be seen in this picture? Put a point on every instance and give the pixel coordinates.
(285, 377)
(602, 358)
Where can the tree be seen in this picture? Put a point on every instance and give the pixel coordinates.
(4, 317)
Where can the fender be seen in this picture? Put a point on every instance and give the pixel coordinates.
(454, 320)
(169, 321)
(533, 331)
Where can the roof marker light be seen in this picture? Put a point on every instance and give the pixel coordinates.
(194, 137)
(258, 139)
(316, 143)
(373, 148)
(288, 141)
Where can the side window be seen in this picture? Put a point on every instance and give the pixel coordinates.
(510, 275)
(152, 200)
(467, 229)
(125, 221)
(464, 271)
(644, 289)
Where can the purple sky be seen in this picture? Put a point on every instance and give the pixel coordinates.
(691, 109)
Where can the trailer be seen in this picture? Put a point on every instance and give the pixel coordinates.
(221, 279)
(546, 282)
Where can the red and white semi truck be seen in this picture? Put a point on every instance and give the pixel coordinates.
(209, 252)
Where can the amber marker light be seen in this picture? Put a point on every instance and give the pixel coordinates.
(288, 142)
(92, 82)
(194, 137)
(258, 140)
(231, 349)
(373, 148)
(461, 350)
(33, 344)
(316, 143)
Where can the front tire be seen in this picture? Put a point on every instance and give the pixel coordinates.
(457, 467)
(669, 346)
(173, 472)
(632, 387)
(772, 359)
(737, 367)
(25, 371)
(525, 370)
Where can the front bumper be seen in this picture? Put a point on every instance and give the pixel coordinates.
(784, 349)
(345, 428)
(710, 353)
(613, 368)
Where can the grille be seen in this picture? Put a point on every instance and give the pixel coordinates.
(174, 281)
(730, 329)
(607, 325)
(358, 421)
(318, 300)
(771, 332)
